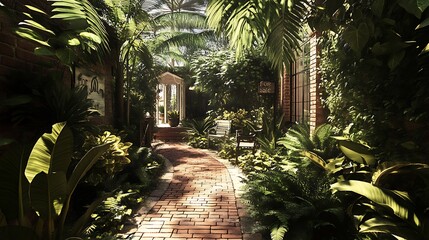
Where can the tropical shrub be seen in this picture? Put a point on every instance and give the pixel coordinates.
(392, 202)
(37, 186)
(111, 162)
(137, 180)
(197, 131)
(270, 133)
(299, 140)
(296, 204)
(226, 148)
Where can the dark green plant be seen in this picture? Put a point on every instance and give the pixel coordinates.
(392, 202)
(374, 70)
(232, 84)
(41, 182)
(297, 205)
(270, 134)
(35, 103)
(276, 25)
(298, 140)
(197, 131)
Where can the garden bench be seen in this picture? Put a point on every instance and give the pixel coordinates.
(221, 129)
(245, 141)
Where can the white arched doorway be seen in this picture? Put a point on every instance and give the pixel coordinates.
(171, 97)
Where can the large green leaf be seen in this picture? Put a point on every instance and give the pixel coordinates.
(391, 172)
(398, 202)
(47, 193)
(51, 153)
(66, 55)
(377, 7)
(357, 152)
(315, 158)
(385, 226)
(14, 186)
(412, 7)
(79, 172)
(422, 4)
(357, 37)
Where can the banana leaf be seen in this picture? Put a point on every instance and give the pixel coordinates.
(398, 202)
(51, 153)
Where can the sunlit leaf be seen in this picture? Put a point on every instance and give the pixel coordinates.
(396, 201)
(357, 152)
(90, 36)
(278, 233)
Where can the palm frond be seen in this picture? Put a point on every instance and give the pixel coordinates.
(190, 21)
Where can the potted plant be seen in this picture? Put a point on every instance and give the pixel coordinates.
(173, 118)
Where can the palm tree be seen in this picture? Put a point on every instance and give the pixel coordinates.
(130, 21)
(181, 29)
(275, 24)
(70, 30)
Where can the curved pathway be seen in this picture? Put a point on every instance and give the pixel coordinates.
(199, 202)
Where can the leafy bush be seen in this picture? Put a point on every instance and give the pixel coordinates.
(197, 131)
(36, 198)
(138, 179)
(296, 205)
(112, 161)
(298, 140)
(226, 148)
(376, 83)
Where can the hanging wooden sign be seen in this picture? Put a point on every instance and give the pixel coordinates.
(266, 87)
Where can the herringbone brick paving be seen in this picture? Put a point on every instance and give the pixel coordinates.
(199, 203)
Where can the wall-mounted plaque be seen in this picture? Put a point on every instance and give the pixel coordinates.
(95, 85)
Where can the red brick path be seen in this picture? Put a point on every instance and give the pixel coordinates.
(199, 203)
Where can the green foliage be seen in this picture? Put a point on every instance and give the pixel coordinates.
(390, 203)
(49, 181)
(173, 114)
(261, 162)
(111, 215)
(112, 161)
(232, 84)
(240, 119)
(34, 103)
(298, 140)
(72, 31)
(226, 148)
(275, 24)
(270, 134)
(138, 179)
(197, 131)
(374, 66)
(294, 205)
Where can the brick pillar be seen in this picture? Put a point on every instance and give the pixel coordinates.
(317, 115)
(285, 95)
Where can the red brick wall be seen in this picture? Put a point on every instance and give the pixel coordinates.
(285, 96)
(317, 116)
